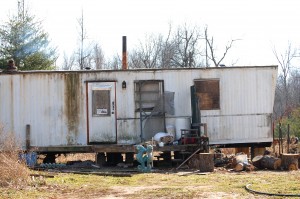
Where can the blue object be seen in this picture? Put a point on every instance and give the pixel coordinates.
(29, 158)
(144, 157)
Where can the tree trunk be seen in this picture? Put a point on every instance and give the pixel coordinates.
(290, 161)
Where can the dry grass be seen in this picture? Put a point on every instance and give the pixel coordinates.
(13, 173)
(167, 185)
(75, 156)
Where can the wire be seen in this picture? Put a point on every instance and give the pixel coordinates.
(247, 187)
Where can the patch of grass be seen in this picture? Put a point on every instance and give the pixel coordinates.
(159, 185)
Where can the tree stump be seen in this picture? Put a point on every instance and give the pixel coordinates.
(270, 162)
(206, 162)
(290, 161)
(194, 162)
(202, 161)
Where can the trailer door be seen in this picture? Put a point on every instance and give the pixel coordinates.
(101, 112)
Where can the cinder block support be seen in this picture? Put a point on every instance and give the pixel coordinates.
(100, 159)
(129, 158)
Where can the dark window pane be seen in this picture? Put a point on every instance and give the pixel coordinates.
(208, 92)
(101, 102)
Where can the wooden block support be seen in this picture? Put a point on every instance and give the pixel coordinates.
(244, 150)
(259, 151)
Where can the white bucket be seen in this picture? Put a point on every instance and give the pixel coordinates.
(182, 123)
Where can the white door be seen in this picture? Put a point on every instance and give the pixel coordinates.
(101, 112)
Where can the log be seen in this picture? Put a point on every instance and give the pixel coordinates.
(266, 162)
(239, 166)
(290, 161)
(239, 162)
(270, 162)
(202, 161)
(256, 161)
(250, 167)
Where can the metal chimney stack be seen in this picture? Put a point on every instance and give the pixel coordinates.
(124, 53)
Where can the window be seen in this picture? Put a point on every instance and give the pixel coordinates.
(208, 93)
(101, 102)
(148, 94)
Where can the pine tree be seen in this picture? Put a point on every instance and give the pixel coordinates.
(24, 40)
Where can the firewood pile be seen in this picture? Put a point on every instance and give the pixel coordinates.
(269, 161)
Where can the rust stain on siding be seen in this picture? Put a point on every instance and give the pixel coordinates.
(72, 104)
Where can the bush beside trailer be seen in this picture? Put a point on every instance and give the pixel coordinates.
(113, 110)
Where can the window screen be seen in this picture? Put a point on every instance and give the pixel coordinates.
(101, 102)
(208, 92)
(147, 94)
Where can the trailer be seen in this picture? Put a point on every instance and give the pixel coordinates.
(111, 111)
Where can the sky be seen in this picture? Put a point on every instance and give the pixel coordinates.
(259, 25)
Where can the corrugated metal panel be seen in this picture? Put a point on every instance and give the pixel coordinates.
(54, 103)
(247, 98)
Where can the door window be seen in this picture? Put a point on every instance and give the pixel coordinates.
(101, 103)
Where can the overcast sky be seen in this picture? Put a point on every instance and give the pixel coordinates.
(259, 24)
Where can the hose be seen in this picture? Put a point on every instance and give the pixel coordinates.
(247, 187)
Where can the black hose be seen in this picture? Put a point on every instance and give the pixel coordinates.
(269, 194)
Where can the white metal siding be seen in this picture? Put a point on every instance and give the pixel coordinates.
(39, 99)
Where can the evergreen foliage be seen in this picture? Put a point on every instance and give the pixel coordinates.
(24, 40)
(293, 120)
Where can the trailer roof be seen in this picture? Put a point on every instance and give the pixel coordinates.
(139, 69)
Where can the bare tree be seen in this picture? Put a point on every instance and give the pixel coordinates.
(147, 54)
(211, 50)
(68, 62)
(186, 41)
(168, 50)
(181, 48)
(115, 63)
(83, 52)
(98, 57)
(176, 50)
(135, 60)
(294, 87)
(283, 96)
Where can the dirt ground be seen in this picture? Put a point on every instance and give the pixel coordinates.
(165, 183)
(84, 179)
